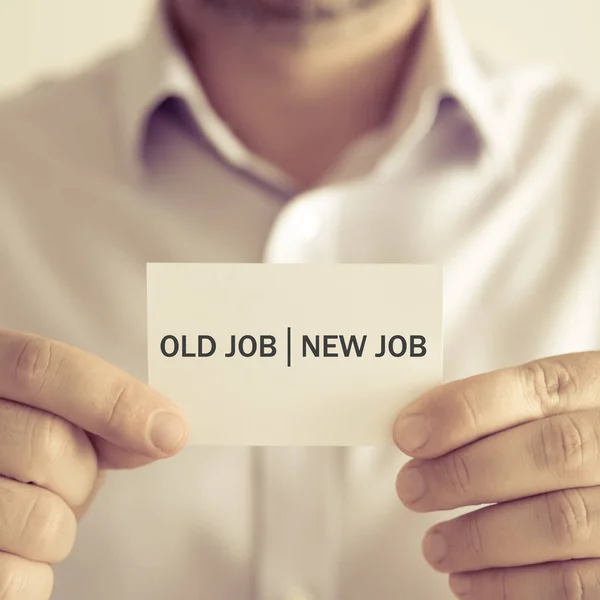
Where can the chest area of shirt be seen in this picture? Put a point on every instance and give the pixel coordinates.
(512, 275)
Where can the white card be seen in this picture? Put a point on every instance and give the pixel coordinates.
(307, 367)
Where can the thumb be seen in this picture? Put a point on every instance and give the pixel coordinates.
(90, 393)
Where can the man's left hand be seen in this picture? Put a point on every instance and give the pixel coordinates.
(525, 441)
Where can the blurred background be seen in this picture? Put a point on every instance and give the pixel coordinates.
(40, 38)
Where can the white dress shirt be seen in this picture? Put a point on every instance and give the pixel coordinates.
(494, 175)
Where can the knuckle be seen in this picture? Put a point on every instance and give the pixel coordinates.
(571, 585)
(504, 586)
(33, 362)
(579, 582)
(501, 584)
(50, 443)
(48, 527)
(12, 579)
(468, 411)
(568, 517)
(119, 402)
(21, 579)
(458, 474)
(475, 537)
(566, 446)
(548, 384)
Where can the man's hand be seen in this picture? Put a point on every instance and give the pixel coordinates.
(527, 441)
(65, 416)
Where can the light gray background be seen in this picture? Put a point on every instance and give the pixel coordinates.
(42, 37)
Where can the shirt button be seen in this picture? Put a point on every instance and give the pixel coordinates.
(298, 593)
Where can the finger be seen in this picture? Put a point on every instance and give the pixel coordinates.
(36, 524)
(543, 456)
(37, 447)
(461, 412)
(114, 457)
(569, 580)
(551, 527)
(22, 579)
(90, 393)
(80, 510)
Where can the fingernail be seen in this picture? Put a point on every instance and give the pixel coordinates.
(460, 584)
(166, 431)
(435, 547)
(412, 432)
(411, 485)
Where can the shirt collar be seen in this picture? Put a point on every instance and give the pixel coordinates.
(155, 68)
(445, 67)
(151, 71)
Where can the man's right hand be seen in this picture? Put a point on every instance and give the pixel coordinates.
(65, 417)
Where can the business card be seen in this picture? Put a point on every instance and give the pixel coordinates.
(293, 354)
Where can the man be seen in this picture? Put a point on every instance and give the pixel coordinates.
(260, 130)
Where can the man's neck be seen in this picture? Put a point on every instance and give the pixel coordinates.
(300, 103)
